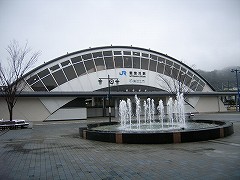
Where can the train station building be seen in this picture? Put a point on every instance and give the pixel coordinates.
(79, 85)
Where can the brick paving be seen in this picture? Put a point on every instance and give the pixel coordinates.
(53, 150)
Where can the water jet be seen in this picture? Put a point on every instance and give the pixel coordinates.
(156, 124)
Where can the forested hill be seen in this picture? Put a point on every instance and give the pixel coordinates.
(221, 80)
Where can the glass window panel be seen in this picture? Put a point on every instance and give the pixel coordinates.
(169, 62)
(49, 82)
(153, 57)
(117, 52)
(144, 63)
(109, 62)
(136, 53)
(190, 74)
(54, 67)
(199, 88)
(76, 59)
(38, 86)
(59, 76)
(65, 63)
(107, 53)
(32, 79)
(175, 73)
(153, 65)
(87, 56)
(160, 67)
(127, 53)
(99, 64)
(187, 80)
(168, 70)
(177, 66)
(80, 69)
(196, 78)
(70, 73)
(97, 54)
(202, 83)
(181, 76)
(89, 66)
(145, 55)
(193, 85)
(43, 73)
(118, 61)
(127, 61)
(160, 59)
(183, 69)
(136, 62)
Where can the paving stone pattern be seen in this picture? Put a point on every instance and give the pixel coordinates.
(53, 150)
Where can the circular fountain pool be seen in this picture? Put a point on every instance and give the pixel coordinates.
(168, 125)
(155, 127)
(200, 130)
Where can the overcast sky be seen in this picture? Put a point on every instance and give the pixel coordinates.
(204, 34)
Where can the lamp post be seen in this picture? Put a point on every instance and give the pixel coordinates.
(238, 98)
(110, 81)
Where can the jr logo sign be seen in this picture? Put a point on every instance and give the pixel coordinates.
(123, 73)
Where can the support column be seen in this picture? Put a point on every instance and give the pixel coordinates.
(221, 132)
(93, 101)
(84, 134)
(176, 137)
(118, 137)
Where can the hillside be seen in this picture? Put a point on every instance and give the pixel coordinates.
(221, 80)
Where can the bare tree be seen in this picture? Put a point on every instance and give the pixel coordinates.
(178, 83)
(175, 83)
(20, 60)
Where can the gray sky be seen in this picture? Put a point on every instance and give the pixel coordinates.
(201, 33)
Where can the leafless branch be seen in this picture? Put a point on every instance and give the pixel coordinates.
(19, 62)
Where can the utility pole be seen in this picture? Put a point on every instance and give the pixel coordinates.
(238, 96)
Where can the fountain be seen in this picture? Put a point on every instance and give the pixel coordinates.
(150, 123)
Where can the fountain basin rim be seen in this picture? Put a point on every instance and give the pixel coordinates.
(214, 122)
(223, 129)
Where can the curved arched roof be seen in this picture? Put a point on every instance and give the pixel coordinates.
(56, 72)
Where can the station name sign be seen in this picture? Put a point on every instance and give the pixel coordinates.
(136, 76)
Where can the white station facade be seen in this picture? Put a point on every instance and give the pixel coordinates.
(68, 87)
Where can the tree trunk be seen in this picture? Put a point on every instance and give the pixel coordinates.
(10, 110)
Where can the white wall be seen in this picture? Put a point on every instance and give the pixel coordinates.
(210, 104)
(54, 103)
(69, 114)
(30, 109)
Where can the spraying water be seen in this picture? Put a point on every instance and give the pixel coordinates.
(123, 113)
(170, 111)
(138, 111)
(160, 109)
(129, 112)
(174, 119)
(181, 110)
(145, 111)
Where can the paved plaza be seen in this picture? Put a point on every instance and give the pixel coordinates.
(54, 150)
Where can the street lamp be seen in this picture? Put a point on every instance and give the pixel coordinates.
(110, 81)
(238, 98)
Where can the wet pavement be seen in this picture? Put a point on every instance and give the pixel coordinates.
(54, 150)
